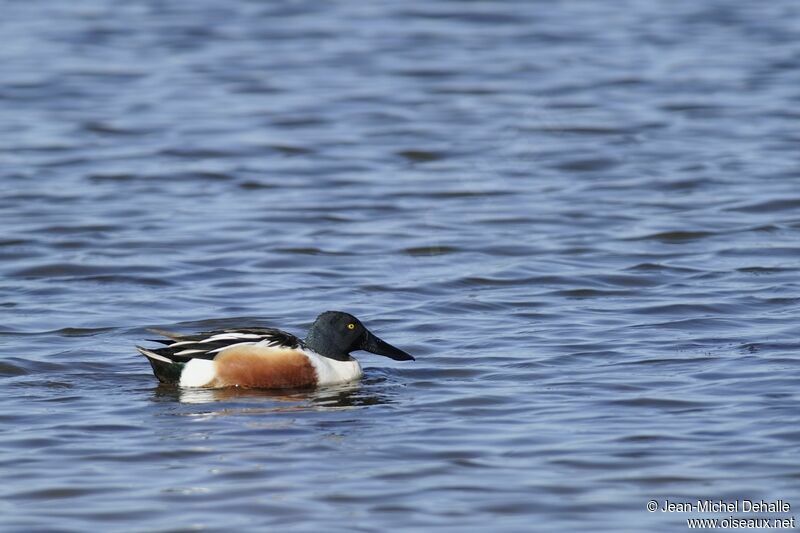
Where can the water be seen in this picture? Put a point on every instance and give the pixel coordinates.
(582, 218)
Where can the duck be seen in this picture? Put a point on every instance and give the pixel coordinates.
(268, 358)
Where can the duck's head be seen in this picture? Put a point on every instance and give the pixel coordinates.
(335, 334)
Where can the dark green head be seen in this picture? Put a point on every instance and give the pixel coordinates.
(335, 334)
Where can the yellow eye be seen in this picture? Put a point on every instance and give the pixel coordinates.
(351, 326)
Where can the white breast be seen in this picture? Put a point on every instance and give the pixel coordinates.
(331, 371)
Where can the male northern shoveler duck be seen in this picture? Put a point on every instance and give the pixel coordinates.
(268, 358)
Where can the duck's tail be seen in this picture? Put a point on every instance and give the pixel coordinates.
(166, 370)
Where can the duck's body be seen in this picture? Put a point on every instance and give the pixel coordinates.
(267, 357)
(251, 357)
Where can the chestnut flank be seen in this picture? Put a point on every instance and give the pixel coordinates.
(263, 367)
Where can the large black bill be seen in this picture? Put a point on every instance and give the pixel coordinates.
(373, 344)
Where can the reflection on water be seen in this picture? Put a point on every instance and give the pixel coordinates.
(361, 393)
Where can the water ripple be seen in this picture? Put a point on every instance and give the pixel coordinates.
(582, 220)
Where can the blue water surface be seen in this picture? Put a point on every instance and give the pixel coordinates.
(582, 218)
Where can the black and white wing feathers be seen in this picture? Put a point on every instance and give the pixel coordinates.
(206, 345)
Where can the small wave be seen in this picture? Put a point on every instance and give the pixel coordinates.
(674, 237)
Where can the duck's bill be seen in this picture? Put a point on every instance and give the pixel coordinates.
(373, 344)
